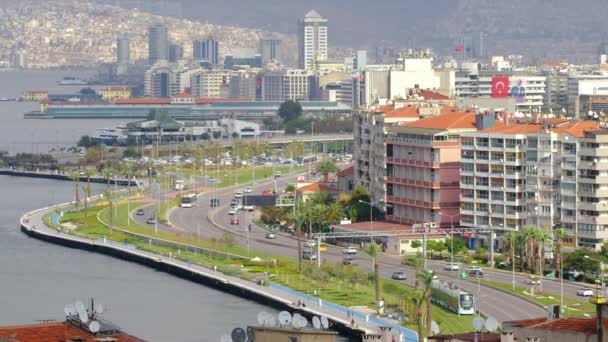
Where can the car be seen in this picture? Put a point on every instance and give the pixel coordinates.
(584, 292)
(350, 261)
(475, 273)
(277, 174)
(451, 267)
(232, 212)
(235, 221)
(238, 195)
(310, 243)
(533, 280)
(270, 236)
(139, 212)
(309, 255)
(349, 250)
(248, 190)
(399, 275)
(249, 208)
(151, 220)
(234, 202)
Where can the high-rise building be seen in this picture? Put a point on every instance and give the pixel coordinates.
(290, 84)
(123, 54)
(158, 43)
(312, 39)
(243, 86)
(162, 81)
(270, 49)
(206, 50)
(360, 60)
(211, 83)
(176, 53)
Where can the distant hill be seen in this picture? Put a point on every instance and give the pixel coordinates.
(539, 28)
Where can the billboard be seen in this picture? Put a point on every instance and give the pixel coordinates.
(500, 86)
(518, 92)
(260, 200)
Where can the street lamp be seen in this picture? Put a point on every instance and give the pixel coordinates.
(451, 231)
(371, 219)
(597, 294)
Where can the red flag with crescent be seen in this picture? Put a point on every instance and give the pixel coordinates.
(500, 86)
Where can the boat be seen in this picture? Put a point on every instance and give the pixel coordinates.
(110, 136)
(4, 99)
(72, 81)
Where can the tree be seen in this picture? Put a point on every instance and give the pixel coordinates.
(205, 136)
(359, 193)
(93, 154)
(416, 244)
(87, 194)
(87, 91)
(325, 167)
(86, 141)
(458, 244)
(131, 152)
(419, 298)
(290, 110)
(217, 134)
(294, 149)
(75, 177)
(321, 197)
(577, 261)
(235, 135)
(298, 218)
(426, 278)
(509, 239)
(373, 250)
(541, 237)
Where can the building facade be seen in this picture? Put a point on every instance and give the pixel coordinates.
(210, 83)
(289, 84)
(206, 50)
(270, 50)
(243, 86)
(312, 39)
(158, 44)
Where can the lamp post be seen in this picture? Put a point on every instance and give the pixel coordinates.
(601, 275)
(371, 218)
(451, 231)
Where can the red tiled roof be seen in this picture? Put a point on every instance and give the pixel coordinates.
(383, 109)
(570, 324)
(346, 171)
(515, 129)
(315, 187)
(576, 129)
(468, 337)
(555, 121)
(431, 95)
(183, 95)
(404, 112)
(54, 332)
(446, 121)
(143, 101)
(218, 99)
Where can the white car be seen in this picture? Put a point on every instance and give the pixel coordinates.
(451, 267)
(584, 292)
(232, 212)
(349, 250)
(310, 244)
(249, 208)
(248, 190)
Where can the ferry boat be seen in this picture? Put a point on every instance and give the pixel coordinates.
(112, 135)
(72, 81)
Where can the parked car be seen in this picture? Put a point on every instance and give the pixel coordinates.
(349, 250)
(232, 212)
(234, 202)
(277, 174)
(238, 195)
(248, 190)
(270, 236)
(399, 275)
(532, 280)
(350, 261)
(451, 267)
(309, 255)
(139, 212)
(151, 220)
(235, 221)
(310, 243)
(584, 292)
(249, 208)
(475, 273)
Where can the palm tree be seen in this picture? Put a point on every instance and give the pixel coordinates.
(107, 173)
(541, 237)
(298, 218)
(129, 172)
(419, 299)
(373, 250)
(75, 177)
(509, 238)
(87, 194)
(520, 239)
(108, 194)
(529, 236)
(325, 167)
(426, 277)
(559, 235)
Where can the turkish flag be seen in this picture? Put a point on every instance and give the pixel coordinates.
(500, 86)
(459, 49)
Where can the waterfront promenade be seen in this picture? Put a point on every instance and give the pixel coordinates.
(352, 323)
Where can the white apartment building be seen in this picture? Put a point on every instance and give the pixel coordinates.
(288, 84)
(210, 83)
(312, 40)
(581, 87)
(162, 80)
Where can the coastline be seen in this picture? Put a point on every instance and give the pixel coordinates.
(268, 295)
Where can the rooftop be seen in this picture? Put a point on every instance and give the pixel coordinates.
(450, 120)
(515, 129)
(431, 95)
(567, 324)
(315, 187)
(468, 337)
(404, 112)
(54, 332)
(576, 129)
(346, 171)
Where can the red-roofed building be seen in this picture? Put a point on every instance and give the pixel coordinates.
(423, 167)
(346, 179)
(305, 190)
(567, 329)
(58, 332)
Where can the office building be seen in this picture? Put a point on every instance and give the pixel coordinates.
(312, 40)
(206, 50)
(270, 50)
(210, 83)
(243, 86)
(289, 84)
(360, 60)
(176, 53)
(158, 44)
(162, 81)
(123, 54)
(232, 62)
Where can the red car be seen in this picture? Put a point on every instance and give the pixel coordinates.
(235, 221)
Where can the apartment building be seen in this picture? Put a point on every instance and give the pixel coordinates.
(540, 175)
(211, 83)
(288, 84)
(423, 167)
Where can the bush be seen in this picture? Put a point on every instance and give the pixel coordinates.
(410, 260)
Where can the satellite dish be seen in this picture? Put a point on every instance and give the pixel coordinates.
(271, 321)
(79, 306)
(94, 326)
(225, 338)
(262, 318)
(478, 323)
(99, 308)
(69, 310)
(238, 335)
(491, 324)
(83, 316)
(250, 334)
(302, 322)
(325, 322)
(435, 328)
(284, 318)
(316, 322)
(295, 320)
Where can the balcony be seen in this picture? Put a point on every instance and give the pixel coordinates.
(410, 162)
(595, 206)
(594, 152)
(602, 219)
(422, 204)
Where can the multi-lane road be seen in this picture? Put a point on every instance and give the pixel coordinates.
(500, 305)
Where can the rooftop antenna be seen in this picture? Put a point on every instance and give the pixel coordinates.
(94, 327)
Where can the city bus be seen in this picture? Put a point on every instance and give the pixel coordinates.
(452, 298)
(187, 201)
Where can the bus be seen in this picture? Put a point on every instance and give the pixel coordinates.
(188, 201)
(452, 298)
